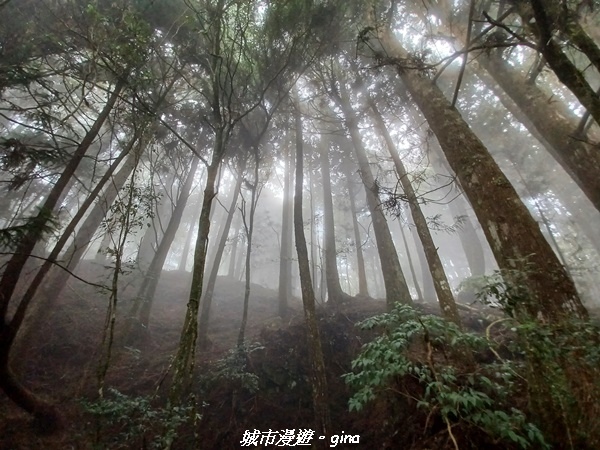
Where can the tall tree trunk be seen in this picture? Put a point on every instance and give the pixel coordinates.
(314, 242)
(145, 297)
(393, 277)
(550, 121)
(14, 268)
(440, 281)
(360, 258)
(334, 289)
(285, 255)
(249, 228)
(184, 362)
(185, 253)
(232, 258)
(214, 272)
(514, 235)
(318, 372)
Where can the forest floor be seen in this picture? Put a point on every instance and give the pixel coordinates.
(268, 390)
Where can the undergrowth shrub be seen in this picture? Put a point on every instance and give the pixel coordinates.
(418, 346)
(124, 422)
(233, 371)
(551, 371)
(562, 366)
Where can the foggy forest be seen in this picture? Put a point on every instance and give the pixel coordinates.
(355, 224)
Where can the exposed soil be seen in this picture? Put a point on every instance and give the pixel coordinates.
(61, 364)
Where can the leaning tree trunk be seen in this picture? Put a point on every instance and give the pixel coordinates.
(318, 372)
(393, 277)
(57, 281)
(52, 287)
(515, 237)
(14, 268)
(145, 298)
(440, 281)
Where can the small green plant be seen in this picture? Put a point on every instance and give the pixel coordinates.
(420, 347)
(233, 368)
(562, 365)
(132, 422)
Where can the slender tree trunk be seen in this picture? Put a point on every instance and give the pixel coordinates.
(14, 268)
(78, 247)
(188, 240)
(54, 286)
(184, 362)
(514, 235)
(145, 297)
(318, 372)
(360, 258)
(314, 243)
(440, 281)
(410, 263)
(249, 227)
(214, 272)
(232, 259)
(393, 277)
(285, 256)
(334, 289)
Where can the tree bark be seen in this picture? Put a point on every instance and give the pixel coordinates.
(249, 228)
(410, 263)
(580, 159)
(185, 253)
